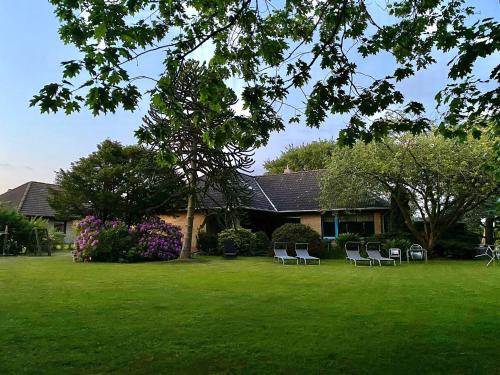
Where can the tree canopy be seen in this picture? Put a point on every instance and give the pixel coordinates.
(314, 155)
(281, 49)
(442, 179)
(116, 181)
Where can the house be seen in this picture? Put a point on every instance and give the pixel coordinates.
(31, 200)
(291, 197)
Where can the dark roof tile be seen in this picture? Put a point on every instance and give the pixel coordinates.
(30, 199)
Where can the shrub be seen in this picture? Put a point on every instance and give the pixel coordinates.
(88, 230)
(158, 240)
(207, 243)
(262, 243)
(295, 233)
(19, 228)
(244, 239)
(114, 241)
(114, 244)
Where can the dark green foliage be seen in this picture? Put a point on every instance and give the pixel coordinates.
(115, 245)
(207, 243)
(20, 229)
(314, 155)
(278, 49)
(262, 243)
(458, 243)
(299, 233)
(245, 240)
(116, 181)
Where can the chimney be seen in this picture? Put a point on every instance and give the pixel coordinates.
(287, 170)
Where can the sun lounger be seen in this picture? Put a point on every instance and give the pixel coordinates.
(353, 255)
(302, 253)
(373, 252)
(280, 253)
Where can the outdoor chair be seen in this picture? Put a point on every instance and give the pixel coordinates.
(302, 253)
(417, 252)
(230, 249)
(373, 252)
(395, 253)
(280, 253)
(353, 255)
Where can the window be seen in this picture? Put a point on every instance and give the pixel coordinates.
(292, 220)
(328, 226)
(60, 226)
(361, 223)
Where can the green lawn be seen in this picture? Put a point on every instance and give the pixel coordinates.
(247, 316)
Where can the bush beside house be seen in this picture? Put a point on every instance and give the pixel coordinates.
(245, 240)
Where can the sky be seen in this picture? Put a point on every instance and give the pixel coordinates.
(34, 146)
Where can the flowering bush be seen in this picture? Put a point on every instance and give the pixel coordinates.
(158, 239)
(87, 239)
(113, 241)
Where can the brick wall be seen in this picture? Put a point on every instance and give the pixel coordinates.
(312, 220)
(180, 220)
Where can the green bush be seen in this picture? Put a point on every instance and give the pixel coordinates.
(115, 244)
(207, 243)
(262, 243)
(245, 240)
(19, 228)
(331, 251)
(297, 233)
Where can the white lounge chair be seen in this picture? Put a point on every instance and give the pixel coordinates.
(353, 255)
(280, 253)
(373, 252)
(302, 253)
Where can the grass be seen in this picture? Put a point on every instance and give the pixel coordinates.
(249, 316)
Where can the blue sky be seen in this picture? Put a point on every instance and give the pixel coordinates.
(33, 146)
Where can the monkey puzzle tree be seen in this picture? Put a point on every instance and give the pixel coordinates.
(201, 140)
(281, 49)
(442, 179)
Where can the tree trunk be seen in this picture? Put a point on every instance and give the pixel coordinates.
(430, 242)
(188, 236)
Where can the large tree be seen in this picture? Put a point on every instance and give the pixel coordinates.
(442, 179)
(314, 155)
(200, 139)
(281, 49)
(117, 181)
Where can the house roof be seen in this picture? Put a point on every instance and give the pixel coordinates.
(257, 198)
(30, 199)
(288, 192)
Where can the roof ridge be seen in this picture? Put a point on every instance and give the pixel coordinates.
(21, 202)
(292, 172)
(43, 183)
(265, 195)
